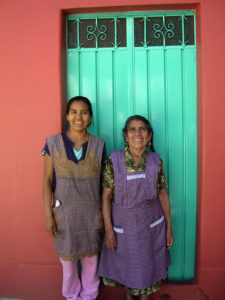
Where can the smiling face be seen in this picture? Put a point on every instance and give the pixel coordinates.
(137, 135)
(79, 116)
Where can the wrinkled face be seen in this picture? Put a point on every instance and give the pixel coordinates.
(79, 116)
(137, 135)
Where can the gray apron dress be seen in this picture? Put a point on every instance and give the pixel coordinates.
(141, 257)
(77, 203)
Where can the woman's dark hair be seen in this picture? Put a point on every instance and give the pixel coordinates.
(147, 124)
(80, 98)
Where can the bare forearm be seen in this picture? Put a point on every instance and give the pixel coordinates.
(106, 208)
(47, 197)
(165, 204)
(110, 236)
(50, 225)
(47, 185)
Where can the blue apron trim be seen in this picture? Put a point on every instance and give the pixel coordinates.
(117, 229)
(157, 222)
(131, 177)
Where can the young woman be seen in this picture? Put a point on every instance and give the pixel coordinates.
(72, 167)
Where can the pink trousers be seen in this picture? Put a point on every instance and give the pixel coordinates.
(85, 289)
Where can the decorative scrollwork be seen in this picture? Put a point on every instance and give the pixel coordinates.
(96, 32)
(158, 31)
(163, 31)
(169, 30)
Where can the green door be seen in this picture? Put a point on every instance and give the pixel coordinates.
(144, 63)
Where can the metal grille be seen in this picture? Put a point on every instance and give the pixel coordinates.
(96, 33)
(164, 31)
(149, 31)
(189, 30)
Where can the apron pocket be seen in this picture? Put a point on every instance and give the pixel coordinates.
(58, 214)
(157, 222)
(158, 234)
(119, 240)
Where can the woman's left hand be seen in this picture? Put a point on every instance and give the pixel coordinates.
(165, 204)
(169, 238)
(110, 239)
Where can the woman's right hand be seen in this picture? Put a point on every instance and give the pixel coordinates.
(110, 239)
(50, 226)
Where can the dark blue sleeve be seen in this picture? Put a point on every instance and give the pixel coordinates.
(45, 150)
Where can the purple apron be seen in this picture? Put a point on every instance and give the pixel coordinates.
(141, 257)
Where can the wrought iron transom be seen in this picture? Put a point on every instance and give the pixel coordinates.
(96, 33)
(149, 31)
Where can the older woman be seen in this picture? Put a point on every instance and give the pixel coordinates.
(136, 211)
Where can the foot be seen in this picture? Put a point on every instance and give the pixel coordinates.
(129, 296)
(144, 297)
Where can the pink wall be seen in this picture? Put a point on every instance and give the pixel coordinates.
(30, 92)
(211, 248)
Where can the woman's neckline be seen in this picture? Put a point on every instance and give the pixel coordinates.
(78, 141)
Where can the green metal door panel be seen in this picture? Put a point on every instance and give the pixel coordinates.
(73, 77)
(140, 83)
(174, 153)
(156, 81)
(88, 82)
(190, 158)
(105, 95)
(120, 96)
(130, 65)
(87, 69)
(157, 101)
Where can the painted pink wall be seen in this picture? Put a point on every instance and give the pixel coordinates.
(31, 92)
(211, 246)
